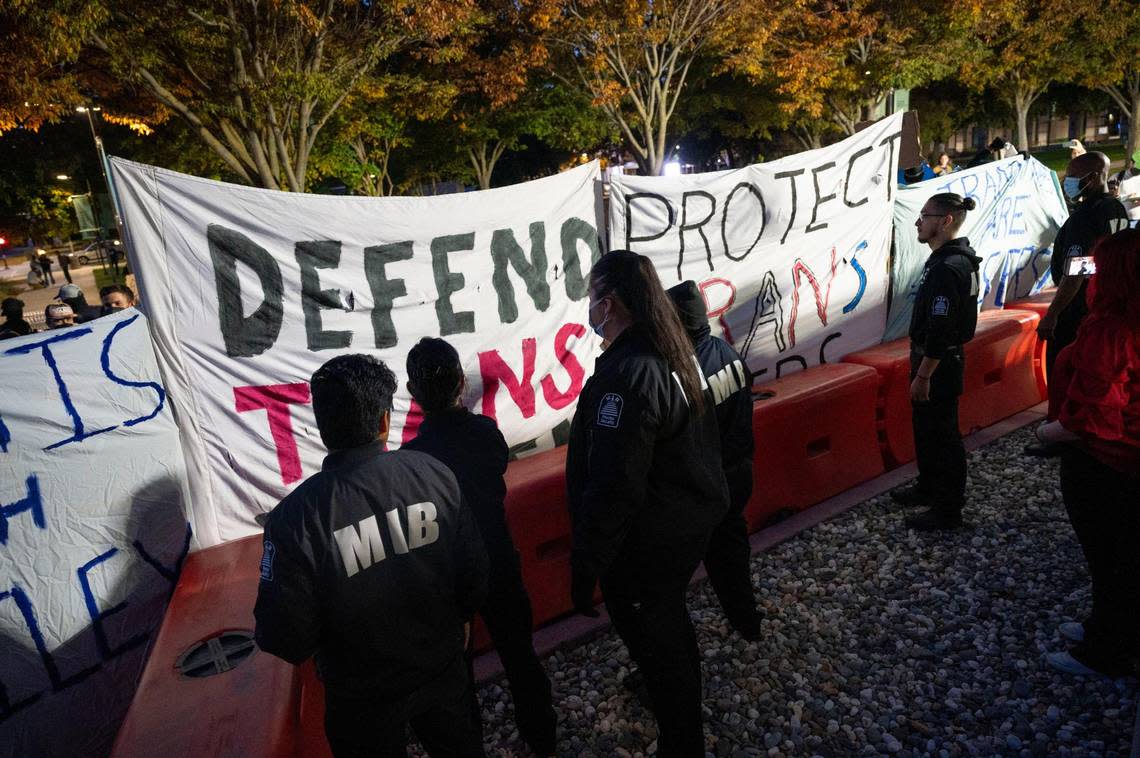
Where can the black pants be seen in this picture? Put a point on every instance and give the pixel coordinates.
(1104, 509)
(66, 273)
(1063, 336)
(645, 595)
(440, 713)
(728, 562)
(48, 278)
(940, 454)
(507, 613)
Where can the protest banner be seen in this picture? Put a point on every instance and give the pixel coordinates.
(92, 530)
(1019, 211)
(249, 291)
(791, 255)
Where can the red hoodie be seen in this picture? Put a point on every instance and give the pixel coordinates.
(1096, 390)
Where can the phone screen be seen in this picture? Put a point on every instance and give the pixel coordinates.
(1080, 265)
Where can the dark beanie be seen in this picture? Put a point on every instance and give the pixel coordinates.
(690, 304)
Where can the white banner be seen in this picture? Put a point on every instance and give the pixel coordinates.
(791, 255)
(92, 530)
(250, 291)
(1020, 210)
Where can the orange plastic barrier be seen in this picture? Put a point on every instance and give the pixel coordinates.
(815, 437)
(891, 360)
(257, 705)
(1039, 304)
(1000, 377)
(540, 526)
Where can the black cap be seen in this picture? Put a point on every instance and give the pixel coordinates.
(998, 143)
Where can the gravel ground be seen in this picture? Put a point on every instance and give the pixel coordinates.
(878, 641)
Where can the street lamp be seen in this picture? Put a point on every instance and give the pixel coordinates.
(62, 177)
(87, 110)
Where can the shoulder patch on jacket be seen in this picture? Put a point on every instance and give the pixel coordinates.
(609, 411)
(1075, 251)
(940, 306)
(267, 562)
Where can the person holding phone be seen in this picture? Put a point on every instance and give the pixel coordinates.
(1097, 214)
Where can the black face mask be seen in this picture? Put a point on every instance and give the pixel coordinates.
(107, 310)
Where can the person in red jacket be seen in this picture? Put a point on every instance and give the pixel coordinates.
(1094, 405)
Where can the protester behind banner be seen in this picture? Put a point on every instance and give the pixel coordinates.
(249, 291)
(92, 530)
(791, 256)
(1019, 210)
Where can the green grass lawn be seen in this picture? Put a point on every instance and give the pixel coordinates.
(1057, 158)
(103, 276)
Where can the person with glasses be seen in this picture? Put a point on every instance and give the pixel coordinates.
(944, 319)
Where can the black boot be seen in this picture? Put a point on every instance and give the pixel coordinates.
(911, 496)
(932, 520)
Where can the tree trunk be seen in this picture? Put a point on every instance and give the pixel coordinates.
(1023, 99)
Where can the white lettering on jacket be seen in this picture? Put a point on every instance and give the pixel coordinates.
(725, 382)
(362, 546)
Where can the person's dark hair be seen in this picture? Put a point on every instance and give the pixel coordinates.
(1117, 280)
(435, 374)
(350, 395)
(632, 279)
(953, 204)
(120, 288)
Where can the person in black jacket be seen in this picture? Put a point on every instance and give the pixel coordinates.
(473, 448)
(645, 488)
(728, 560)
(374, 565)
(1096, 214)
(944, 319)
(73, 296)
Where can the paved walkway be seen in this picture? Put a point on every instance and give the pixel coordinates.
(35, 300)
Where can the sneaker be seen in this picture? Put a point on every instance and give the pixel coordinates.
(910, 496)
(931, 520)
(1074, 631)
(1067, 664)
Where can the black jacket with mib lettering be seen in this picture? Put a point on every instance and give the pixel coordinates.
(641, 468)
(373, 565)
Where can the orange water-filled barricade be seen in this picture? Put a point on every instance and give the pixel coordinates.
(815, 437)
(206, 689)
(1000, 380)
(1038, 304)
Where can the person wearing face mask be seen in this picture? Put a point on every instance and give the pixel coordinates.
(944, 319)
(116, 297)
(645, 488)
(1096, 214)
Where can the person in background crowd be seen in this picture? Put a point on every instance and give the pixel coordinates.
(944, 319)
(374, 565)
(73, 296)
(981, 158)
(14, 324)
(943, 165)
(35, 272)
(1097, 214)
(1075, 148)
(1094, 410)
(59, 315)
(473, 448)
(645, 488)
(1128, 186)
(728, 559)
(64, 258)
(45, 266)
(1002, 148)
(116, 297)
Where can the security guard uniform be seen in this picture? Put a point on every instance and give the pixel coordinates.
(373, 565)
(945, 317)
(646, 489)
(728, 560)
(473, 448)
(1095, 216)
